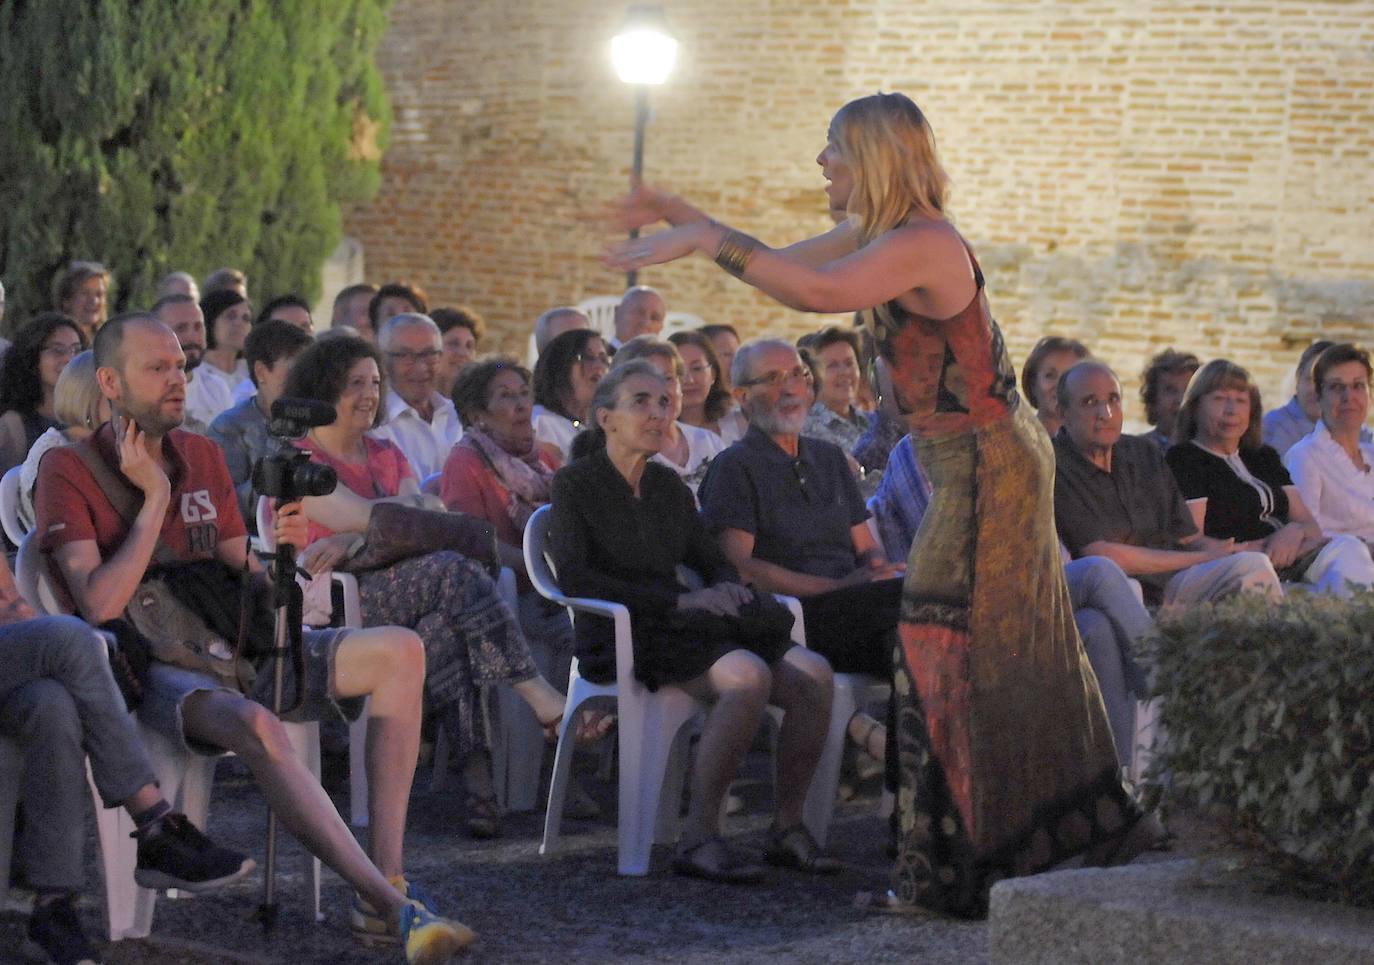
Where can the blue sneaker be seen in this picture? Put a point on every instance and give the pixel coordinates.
(429, 939)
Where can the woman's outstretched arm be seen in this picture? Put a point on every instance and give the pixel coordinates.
(928, 255)
(647, 205)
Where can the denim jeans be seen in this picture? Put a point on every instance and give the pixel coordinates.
(59, 701)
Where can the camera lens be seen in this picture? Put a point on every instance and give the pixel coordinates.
(312, 479)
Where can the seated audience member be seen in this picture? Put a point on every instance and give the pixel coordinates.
(178, 283)
(621, 526)
(1048, 360)
(554, 323)
(241, 431)
(28, 380)
(686, 450)
(789, 517)
(471, 638)
(81, 292)
(351, 311)
(1284, 426)
(1237, 489)
(292, 309)
(394, 299)
(204, 395)
(706, 398)
(641, 311)
(495, 473)
(1333, 466)
(834, 417)
(228, 320)
(225, 279)
(1115, 497)
(725, 340)
(420, 422)
(1162, 385)
(101, 559)
(461, 329)
(564, 379)
(79, 407)
(59, 702)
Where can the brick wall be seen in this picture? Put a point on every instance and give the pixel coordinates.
(1135, 174)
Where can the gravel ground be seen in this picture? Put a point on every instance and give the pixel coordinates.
(526, 908)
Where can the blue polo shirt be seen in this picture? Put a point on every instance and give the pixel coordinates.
(799, 511)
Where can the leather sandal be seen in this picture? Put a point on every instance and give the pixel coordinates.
(481, 816)
(795, 848)
(712, 859)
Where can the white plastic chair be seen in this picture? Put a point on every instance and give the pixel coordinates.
(357, 730)
(185, 780)
(9, 506)
(653, 739)
(680, 322)
(600, 312)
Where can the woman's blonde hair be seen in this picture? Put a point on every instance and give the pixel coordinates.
(76, 396)
(890, 149)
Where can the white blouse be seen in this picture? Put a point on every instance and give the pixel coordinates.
(1340, 496)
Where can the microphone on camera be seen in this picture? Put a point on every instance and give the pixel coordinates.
(293, 417)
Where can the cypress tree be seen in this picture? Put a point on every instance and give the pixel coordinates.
(183, 135)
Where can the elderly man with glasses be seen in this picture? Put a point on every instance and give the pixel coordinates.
(789, 517)
(419, 420)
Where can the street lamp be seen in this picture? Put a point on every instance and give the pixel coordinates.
(643, 53)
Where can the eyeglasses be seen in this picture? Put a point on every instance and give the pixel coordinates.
(427, 357)
(776, 379)
(699, 370)
(587, 358)
(62, 351)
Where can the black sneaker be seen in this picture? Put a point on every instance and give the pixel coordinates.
(55, 934)
(176, 855)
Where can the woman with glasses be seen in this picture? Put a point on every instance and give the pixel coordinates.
(471, 638)
(706, 400)
(991, 785)
(564, 379)
(1333, 465)
(28, 380)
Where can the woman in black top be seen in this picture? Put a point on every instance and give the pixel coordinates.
(28, 376)
(621, 526)
(1237, 487)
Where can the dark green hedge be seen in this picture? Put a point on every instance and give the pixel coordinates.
(183, 134)
(1268, 711)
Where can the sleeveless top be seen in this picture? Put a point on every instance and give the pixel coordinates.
(950, 375)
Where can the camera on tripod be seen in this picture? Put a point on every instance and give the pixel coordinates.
(288, 474)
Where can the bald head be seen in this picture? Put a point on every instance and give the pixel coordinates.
(1089, 398)
(641, 312)
(109, 340)
(554, 323)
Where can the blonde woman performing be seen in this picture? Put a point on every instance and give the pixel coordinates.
(1005, 755)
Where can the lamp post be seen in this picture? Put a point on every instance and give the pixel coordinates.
(643, 53)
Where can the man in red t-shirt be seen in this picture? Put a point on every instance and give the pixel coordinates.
(190, 511)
